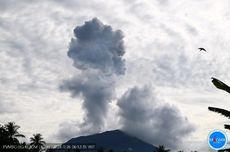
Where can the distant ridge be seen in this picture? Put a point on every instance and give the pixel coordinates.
(116, 140)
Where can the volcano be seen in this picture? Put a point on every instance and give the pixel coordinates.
(115, 140)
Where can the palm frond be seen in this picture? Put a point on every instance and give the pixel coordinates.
(227, 127)
(220, 85)
(224, 112)
(20, 135)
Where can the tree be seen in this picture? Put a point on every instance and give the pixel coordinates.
(12, 132)
(9, 137)
(3, 136)
(221, 85)
(37, 142)
(161, 148)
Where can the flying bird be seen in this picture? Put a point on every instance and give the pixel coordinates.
(202, 49)
(220, 85)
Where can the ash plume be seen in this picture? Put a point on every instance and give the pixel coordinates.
(97, 52)
(144, 116)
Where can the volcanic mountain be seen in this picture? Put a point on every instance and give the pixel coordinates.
(115, 140)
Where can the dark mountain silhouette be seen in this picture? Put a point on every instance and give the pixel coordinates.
(116, 140)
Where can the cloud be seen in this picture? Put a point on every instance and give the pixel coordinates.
(33, 64)
(96, 91)
(97, 47)
(181, 71)
(97, 53)
(34, 58)
(63, 135)
(143, 115)
(7, 106)
(12, 4)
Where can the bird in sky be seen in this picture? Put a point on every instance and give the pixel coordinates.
(202, 49)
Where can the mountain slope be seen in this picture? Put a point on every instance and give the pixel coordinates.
(117, 140)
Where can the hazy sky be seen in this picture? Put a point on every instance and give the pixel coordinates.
(155, 84)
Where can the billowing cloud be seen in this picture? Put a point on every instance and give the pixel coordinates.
(97, 52)
(97, 46)
(144, 116)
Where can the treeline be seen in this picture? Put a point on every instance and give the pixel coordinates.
(9, 140)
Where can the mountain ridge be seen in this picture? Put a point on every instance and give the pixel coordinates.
(117, 140)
